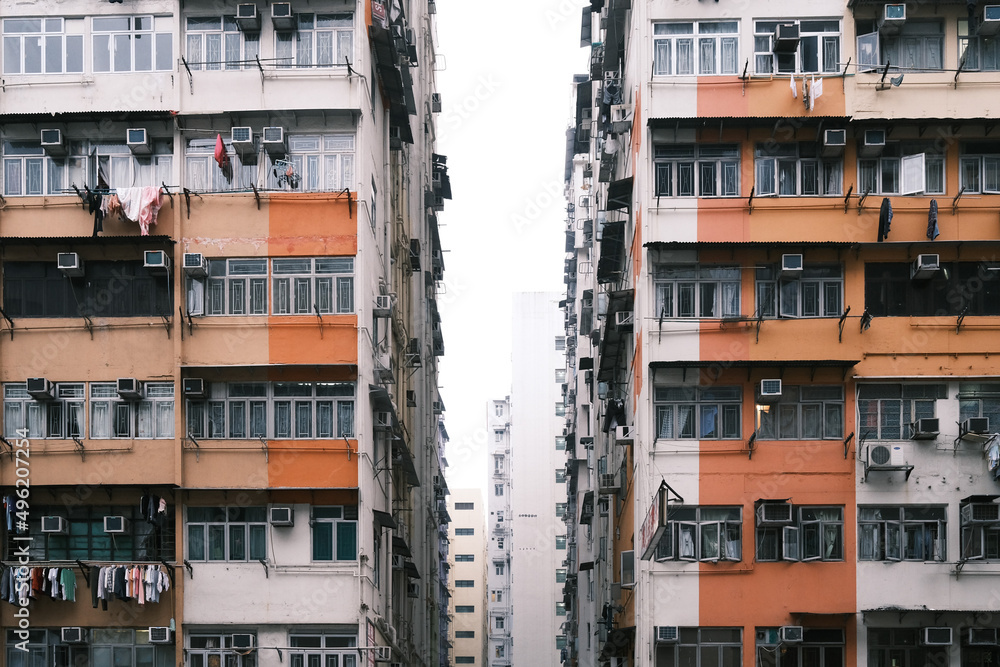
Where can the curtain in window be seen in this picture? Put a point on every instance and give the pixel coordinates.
(324, 48)
(303, 419)
(730, 299)
(709, 421)
(706, 56)
(686, 541)
(661, 57)
(765, 182)
(729, 55)
(145, 420)
(100, 419)
(216, 419)
(237, 542)
(258, 419)
(284, 48)
(282, 419)
(304, 49)
(232, 51)
(216, 542)
(196, 542)
(345, 419)
(868, 540)
(665, 422)
(685, 421)
(345, 295)
(324, 419)
(237, 419)
(710, 540)
(195, 420)
(685, 56)
(13, 418)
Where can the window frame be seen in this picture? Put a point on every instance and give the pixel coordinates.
(774, 163)
(892, 164)
(46, 419)
(320, 162)
(691, 405)
(696, 644)
(712, 170)
(979, 163)
(332, 273)
(51, 30)
(322, 646)
(696, 523)
(697, 291)
(725, 48)
(763, 37)
(291, 44)
(779, 419)
(786, 297)
(817, 641)
(221, 647)
(916, 400)
(124, 418)
(340, 517)
(971, 50)
(227, 522)
(889, 537)
(159, 40)
(787, 541)
(227, 32)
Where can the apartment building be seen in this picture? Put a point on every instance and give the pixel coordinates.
(500, 544)
(782, 286)
(220, 267)
(469, 575)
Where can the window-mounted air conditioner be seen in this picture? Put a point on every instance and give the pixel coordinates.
(282, 17)
(935, 636)
(156, 261)
(243, 143)
(73, 635)
(978, 512)
(160, 635)
(273, 140)
(138, 141)
(395, 138)
(624, 319)
(243, 641)
(925, 266)
(438, 407)
(115, 524)
(977, 425)
(53, 142)
(774, 513)
(247, 17)
(790, 633)
(791, 265)
(893, 18)
(70, 264)
(665, 634)
(609, 484)
(383, 305)
(383, 421)
(383, 653)
(194, 388)
(786, 38)
(623, 435)
(834, 142)
(397, 562)
(40, 389)
(435, 102)
(982, 637)
(195, 264)
(54, 524)
(872, 143)
(925, 429)
(130, 389)
(281, 516)
(412, 590)
(621, 118)
(886, 456)
(990, 24)
(769, 391)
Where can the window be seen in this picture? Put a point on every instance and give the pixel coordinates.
(978, 52)
(903, 168)
(61, 418)
(465, 609)
(979, 400)
(208, 650)
(465, 583)
(302, 286)
(702, 533)
(498, 622)
(459, 532)
(498, 436)
(85, 538)
(105, 646)
(119, 168)
(814, 533)
(498, 595)
(465, 659)
(293, 410)
(892, 533)
(561, 575)
(886, 411)
(132, 43)
(498, 407)
(109, 289)
(465, 558)
(817, 292)
(465, 506)
(560, 476)
(818, 50)
(561, 509)
(972, 288)
(498, 462)
(560, 345)
(918, 45)
(28, 171)
(702, 47)
(560, 642)
(980, 529)
(227, 533)
(216, 42)
(705, 413)
(306, 650)
(202, 173)
(465, 634)
(498, 489)
(232, 287)
(320, 162)
(320, 40)
(560, 443)
(980, 167)
(498, 650)
(113, 417)
(903, 647)
(820, 647)
(51, 45)
(796, 169)
(702, 647)
(697, 170)
(335, 533)
(560, 608)
(696, 291)
(810, 412)
(561, 542)
(560, 409)
(560, 375)
(497, 566)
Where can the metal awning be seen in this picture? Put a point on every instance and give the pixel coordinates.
(384, 519)
(411, 570)
(612, 261)
(620, 194)
(756, 363)
(400, 548)
(612, 339)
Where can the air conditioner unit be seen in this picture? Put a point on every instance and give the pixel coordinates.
(438, 407)
(130, 389)
(54, 524)
(40, 389)
(395, 139)
(156, 261)
(52, 142)
(195, 264)
(774, 513)
(138, 141)
(383, 421)
(621, 118)
(893, 18)
(925, 429)
(243, 143)
(872, 143)
(435, 102)
(624, 319)
(73, 635)
(834, 142)
(990, 25)
(977, 512)
(282, 17)
(609, 484)
(982, 637)
(790, 634)
(977, 425)
(281, 516)
(242, 641)
(160, 635)
(413, 589)
(383, 305)
(935, 636)
(786, 38)
(925, 266)
(886, 456)
(623, 435)
(273, 140)
(769, 391)
(194, 388)
(665, 634)
(397, 562)
(115, 524)
(70, 264)
(247, 17)
(382, 653)
(791, 265)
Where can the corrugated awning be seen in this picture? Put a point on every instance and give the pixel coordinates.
(399, 547)
(70, 241)
(411, 570)
(384, 519)
(620, 194)
(756, 363)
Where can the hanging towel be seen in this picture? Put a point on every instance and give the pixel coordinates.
(932, 226)
(815, 90)
(884, 219)
(67, 579)
(222, 158)
(795, 92)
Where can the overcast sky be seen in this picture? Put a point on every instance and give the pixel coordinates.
(507, 99)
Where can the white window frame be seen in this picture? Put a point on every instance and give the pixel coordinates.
(827, 45)
(138, 417)
(219, 46)
(159, 36)
(318, 648)
(203, 174)
(231, 531)
(348, 517)
(320, 163)
(819, 289)
(696, 170)
(301, 285)
(904, 408)
(682, 411)
(789, 540)
(682, 43)
(696, 291)
(980, 173)
(301, 48)
(814, 176)
(702, 647)
(233, 286)
(978, 52)
(688, 528)
(799, 404)
(53, 33)
(498, 567)
(122, 169)
(62, 418)
(888, 537)
(219, 646)
(916, 172)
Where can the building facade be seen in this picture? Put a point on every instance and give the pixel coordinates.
(500, 544)
(220, 260)
(469, 567)
(782, 287)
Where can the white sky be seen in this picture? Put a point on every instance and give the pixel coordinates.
(507, 99)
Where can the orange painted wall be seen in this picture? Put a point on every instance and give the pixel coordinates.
(294, 463)
(303, 224)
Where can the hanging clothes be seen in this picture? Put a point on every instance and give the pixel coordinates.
(67, 582)
(95, 580)
(932, 221)
(884, 219)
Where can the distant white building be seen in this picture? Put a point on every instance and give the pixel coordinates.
(468, 577)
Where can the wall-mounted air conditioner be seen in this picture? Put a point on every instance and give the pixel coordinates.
(281, 516)
(769, 391)
(609, 484)
(872, 143)
(774, 513)
(791, 265)
(273, 140)
(195, 264)
(623, 435)
(247, 17)
(383, 305)
(73, 635)
(54, 524)
(160, 635)
(925, 266)
(70, 264)
(383, 653)
(990, 24)
(935, 636)
(925, 429)
(977, 425)
(624, 319)
(243, 143)
(115, 525)
(786, 38)
(242, 641)
(886, 456)
(130, 389)
(282, 17)
(834, 142)
(194, 388)
(435, 102)
(892, 19)
(979, 512)
(790, 634)
(138, 141)
(382, 421)
(53, 142)
(40, 389)
(665, 634)
(621, 118)
(156, 261)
